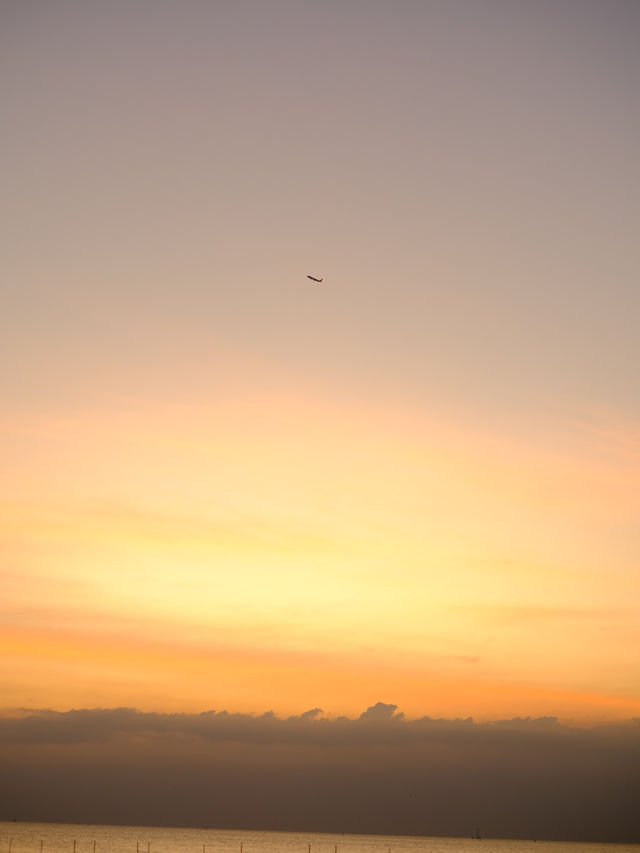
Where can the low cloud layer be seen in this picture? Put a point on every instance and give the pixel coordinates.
(378, 773)
(380, 723)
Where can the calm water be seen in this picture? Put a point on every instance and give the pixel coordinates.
(86, 838)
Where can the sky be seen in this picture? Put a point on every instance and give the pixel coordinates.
(227, 488)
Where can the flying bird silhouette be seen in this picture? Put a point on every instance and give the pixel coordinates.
(319, 280)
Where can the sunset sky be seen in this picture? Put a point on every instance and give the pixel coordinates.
(226, 487)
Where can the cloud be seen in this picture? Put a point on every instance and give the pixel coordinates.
(378, 773)
(379, 723)
(380, 712)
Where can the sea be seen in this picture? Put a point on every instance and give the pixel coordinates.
(18, 837)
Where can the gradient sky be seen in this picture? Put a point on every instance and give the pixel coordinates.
(224, 486)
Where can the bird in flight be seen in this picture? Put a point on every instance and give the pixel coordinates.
(319, 280)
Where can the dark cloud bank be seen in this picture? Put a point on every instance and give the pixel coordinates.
(380, 773)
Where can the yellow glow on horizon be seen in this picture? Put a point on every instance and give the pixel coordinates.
(57, 672)
(283, 553)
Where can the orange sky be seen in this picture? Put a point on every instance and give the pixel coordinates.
(287, 553)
